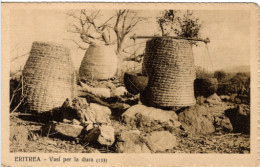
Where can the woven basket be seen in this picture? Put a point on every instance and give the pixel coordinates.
(99, 63)
(49, 77)
(169, 64)
(135, 83)
(205, 87)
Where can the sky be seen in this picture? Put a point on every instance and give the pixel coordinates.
(228, 31)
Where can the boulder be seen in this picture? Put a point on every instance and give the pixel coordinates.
(200, 100)
(68, 129)
(99, 92)
(120, 91)
(224, 97)
(79, 110)
(197, 119)
(97, 113)
(239, 118)
(131, 142)
(214, 99)
(134, 141)
(226, 125)
(75, 122)
(223, 123)
(233, 97)
(74, 109)
(62, 128)
(19, 134)
(160, 141)
(103, 134)
(150, 119)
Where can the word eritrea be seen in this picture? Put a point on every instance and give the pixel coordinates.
(26, 159)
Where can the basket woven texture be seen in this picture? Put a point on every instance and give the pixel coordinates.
(99, 63)
(169, 63)
(49, 77)
(134, 83)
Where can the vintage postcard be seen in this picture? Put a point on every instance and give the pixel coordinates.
(129, 84)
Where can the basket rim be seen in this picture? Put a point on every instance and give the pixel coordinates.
(50, 43)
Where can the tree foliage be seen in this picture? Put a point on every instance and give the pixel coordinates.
(220, 75)
(172, 22)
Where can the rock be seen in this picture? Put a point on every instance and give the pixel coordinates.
(222, 123)
(63, 128)
(233, 97)
(213, 99)
(120, 91)
(149, 118)
(134, 141)
(92, 150)
(74, 109)
(160, 141)
(19, 134)
(224, 97)
(97, 113)
(131, 142)
(239, 118)
(75, 122)
(110, 85)
(200, 100)
(66, 121)
(68, 129)
(79, 109)
(197, 120)
(99, 92)
(226, 125)
(89, 127)
(103, 134)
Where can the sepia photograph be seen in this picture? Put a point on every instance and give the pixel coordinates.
(129, 80)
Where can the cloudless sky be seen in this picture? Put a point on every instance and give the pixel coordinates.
(229, 32)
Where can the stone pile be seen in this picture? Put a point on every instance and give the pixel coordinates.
(88, 121)
(151, 130)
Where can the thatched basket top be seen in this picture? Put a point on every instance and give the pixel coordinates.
(169, 64)
(49, 77)
(99, 63)
(135, 83)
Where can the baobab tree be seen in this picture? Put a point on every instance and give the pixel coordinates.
(93, 27)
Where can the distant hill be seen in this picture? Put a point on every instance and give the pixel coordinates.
(237, 69)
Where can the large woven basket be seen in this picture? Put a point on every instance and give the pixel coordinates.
(169, 64)
(49, 77)
(99, 63)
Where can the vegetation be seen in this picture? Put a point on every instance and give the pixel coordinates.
(172, 22)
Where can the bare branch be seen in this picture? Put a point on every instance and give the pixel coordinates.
(104, 25)
(22, 95)
(74, 16)
(79, 46)
(19, 56)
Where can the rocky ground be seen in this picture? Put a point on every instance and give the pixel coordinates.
(213, 125)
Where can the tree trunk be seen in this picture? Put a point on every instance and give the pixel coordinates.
(161, 26)
(119, 45)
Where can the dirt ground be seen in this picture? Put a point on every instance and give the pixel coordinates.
(29, 139)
